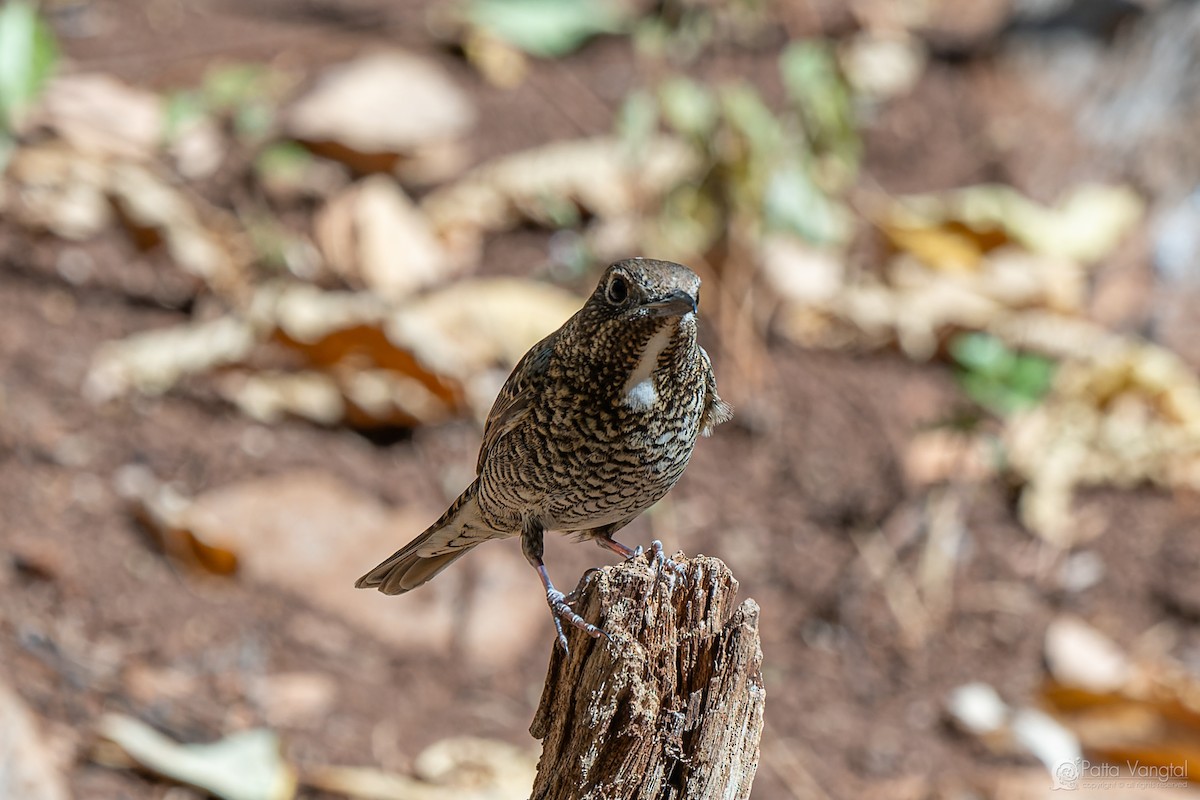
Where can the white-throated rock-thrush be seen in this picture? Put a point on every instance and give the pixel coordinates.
(595, 424)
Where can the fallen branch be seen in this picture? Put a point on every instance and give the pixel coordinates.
(672, 709)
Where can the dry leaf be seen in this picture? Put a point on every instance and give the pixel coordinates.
(881, 65)
(917, 306)
(365, 364)
(373, 236)
(1084, 227)
(500, 64)
(68, 193)
(978, 711)
(976, 708)
(307, 533)
(1126, 711)
(800, 272)
(385, 397)
(1131, 714)
(371, 111)
(596, 175)
(198, 150)
(206, 243)
(374, 784)
(474, 332)
(29, 768)
(343, 335)
(153, 361)
(99, 115)
(308, 315)
(452, 769)
(270, 396)
(1125, 414)
(948, 248)
(361, 398)
(242, 766)
(1080, 656)
(981, 258)
(163, 510)
(54, 188)
(1046, 738)
(477, 764)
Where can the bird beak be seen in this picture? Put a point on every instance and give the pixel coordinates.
(676, 304)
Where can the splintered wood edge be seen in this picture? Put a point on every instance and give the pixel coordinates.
(662, 642)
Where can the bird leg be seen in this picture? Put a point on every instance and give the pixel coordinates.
(531, 546)
(559, 608)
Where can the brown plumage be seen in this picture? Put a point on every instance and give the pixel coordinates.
(595, 424)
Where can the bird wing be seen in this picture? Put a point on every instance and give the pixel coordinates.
(458, 530)
(716, 410)
(514, 401)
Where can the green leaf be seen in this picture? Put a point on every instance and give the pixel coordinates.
(557, 212)
(981, 353)
(986, 391)
(1031, 376)
(746, 112)
(689, 223)
(637, 122)
(7, 148)
(287, 160)
(253, 120)
(815, 85)
(28, 53)
(230, 87)
(679, 35)
(996, 377)
(688, 107)
(181, 110)
(810, 74)
(792, 202)
(545, 28)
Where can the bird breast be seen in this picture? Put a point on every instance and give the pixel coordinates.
(640, 391)
(600, 443)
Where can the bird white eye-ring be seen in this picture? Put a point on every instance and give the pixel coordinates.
(617, 291)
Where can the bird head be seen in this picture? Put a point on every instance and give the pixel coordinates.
(639, 307)
(642, 290)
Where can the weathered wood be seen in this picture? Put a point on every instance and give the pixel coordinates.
(672, 709)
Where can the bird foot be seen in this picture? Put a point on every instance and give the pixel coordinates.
(657, 557)
(662, 561)
(560, 610)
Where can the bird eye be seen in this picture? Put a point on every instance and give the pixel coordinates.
(617, 291)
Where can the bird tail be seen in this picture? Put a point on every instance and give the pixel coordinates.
(442, 543)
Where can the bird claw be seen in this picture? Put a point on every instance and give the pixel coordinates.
(560, 610)
(658, 555)
(562, 637)
(663, 561)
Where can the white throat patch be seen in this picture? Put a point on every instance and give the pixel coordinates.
(639, 391)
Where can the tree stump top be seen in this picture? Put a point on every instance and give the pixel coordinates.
(672, 708)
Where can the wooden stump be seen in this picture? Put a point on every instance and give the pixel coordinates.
(672, 709)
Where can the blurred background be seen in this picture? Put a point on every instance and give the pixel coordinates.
(264, 265)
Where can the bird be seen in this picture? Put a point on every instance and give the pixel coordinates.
(595, 424)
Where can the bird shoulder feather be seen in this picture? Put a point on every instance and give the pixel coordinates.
(716, 410)
(515, 399)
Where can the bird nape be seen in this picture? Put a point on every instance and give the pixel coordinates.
(594, 425)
